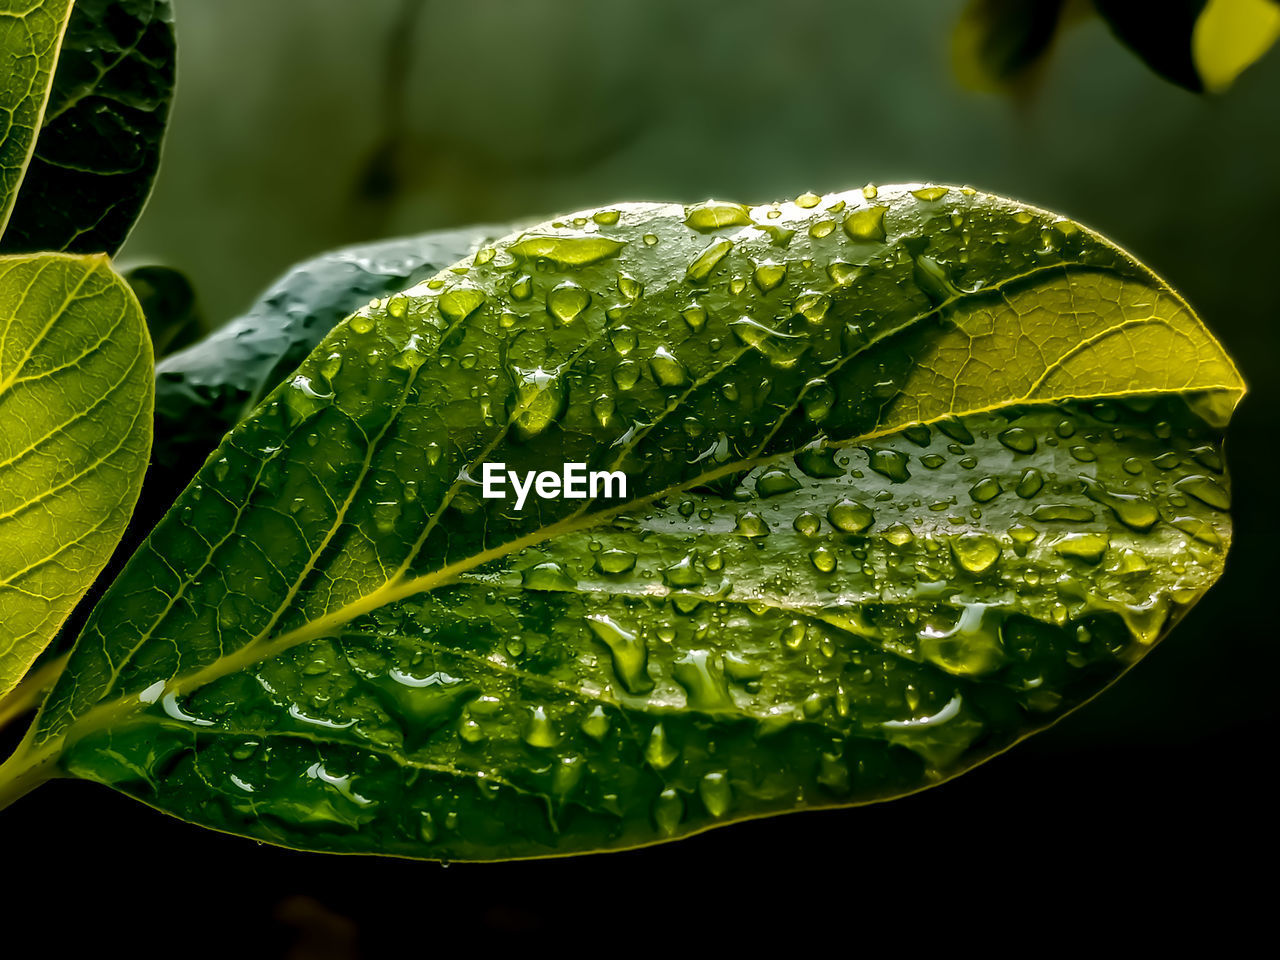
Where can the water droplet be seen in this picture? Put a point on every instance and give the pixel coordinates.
(624, 339)
(629, 287)
(929, 194)
(1062, 512)
(1199, 529)
(899, 535)
(540, 399)
(668, 811)
(807, 524)
(956, 430)
(615, 561)
(818, 400)
(659, 751)
(702, 265)
(1133, 511)
(522, 287)
(971, 647)
(1206, 490)
(823, 559)
(606, 218)
(360, 323)
(889, 463)
(1029, 483)
(713, 215)
(629, 654)
(818, 460)
(975, 552)
(460, 301)
(568, 250)
(385, 515)
(782, 349)
(596, 725)
(807, 201)
(539, 732)
(751, 524)
(813, 306)
(626, 374)
(988, 488)
(716, 794)
(566, 301)
(667, 369)
(768, 275)
(683, 574)
(776, 481)
(547, 576)
(1089, 547)
(866, 225)
(842, 274)
(1018, 439)
(703, 680)
(695, 316)
(849, 516)
(603, 408)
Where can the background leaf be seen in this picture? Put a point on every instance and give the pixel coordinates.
(75, 404)
(207, 388)
(334, 642)
(169, 303)
(30, 34)
(99, 145)
(1230, 36)
(997, 43)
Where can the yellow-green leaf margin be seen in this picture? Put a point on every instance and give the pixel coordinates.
(76, 402)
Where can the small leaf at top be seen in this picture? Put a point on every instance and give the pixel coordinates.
(75, 404)
(30, 35)
(910, 473)
(1230, 36)
(99, 146)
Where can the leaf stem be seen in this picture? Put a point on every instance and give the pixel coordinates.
(26, 695)
(26, 770)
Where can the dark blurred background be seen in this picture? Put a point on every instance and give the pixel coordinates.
(304, 125)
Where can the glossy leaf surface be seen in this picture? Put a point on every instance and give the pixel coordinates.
(30, 35)
(75, 404)
(99, 145)
(912, 472)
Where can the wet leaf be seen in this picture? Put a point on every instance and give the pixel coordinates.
(99, 143)
(75, 404)
(911, 473)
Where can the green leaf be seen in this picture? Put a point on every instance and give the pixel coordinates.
(30, 35)
(1198, 44)
(99, 148)
(75, 402)
(1230, 36)
(911, 473)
